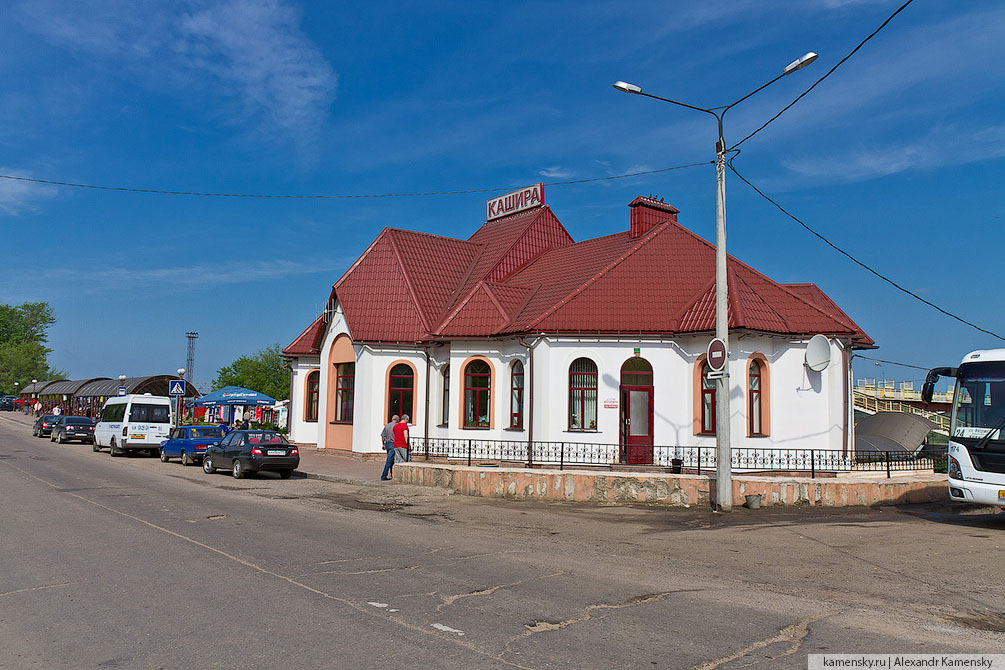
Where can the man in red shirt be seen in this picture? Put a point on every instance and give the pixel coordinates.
(401, 440)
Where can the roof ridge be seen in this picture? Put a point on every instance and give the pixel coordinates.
(844, 317)
(645, 239)
(689, 305)
(764, 302)
(767, 279)
(408, 282)
(434, 235)
(304, 331)
(463, 303)
(807, 302)
(360, 259)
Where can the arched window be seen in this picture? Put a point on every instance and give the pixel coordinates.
(756, 409)
(345, 384)
(401, 385)
(707, 401)
(311, 396)
(636, 372)
(477, 394)
(516, 395)
(445, 410)
(583, 395)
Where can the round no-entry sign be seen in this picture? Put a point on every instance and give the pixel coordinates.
(716, 353)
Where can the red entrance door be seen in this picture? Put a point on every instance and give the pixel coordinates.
(637, 423)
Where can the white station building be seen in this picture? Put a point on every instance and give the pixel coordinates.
(520, 334)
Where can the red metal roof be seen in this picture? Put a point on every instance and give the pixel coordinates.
(305, 342)
(523, 273)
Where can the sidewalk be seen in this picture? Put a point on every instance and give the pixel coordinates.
(335, 467)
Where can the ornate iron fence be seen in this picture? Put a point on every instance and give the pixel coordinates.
(676, 458)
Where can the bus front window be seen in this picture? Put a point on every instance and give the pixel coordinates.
(979, 402)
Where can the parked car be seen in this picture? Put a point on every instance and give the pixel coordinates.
(69, 428)
(189, 443)
(133, 422)
(248, 451)
(8, 405)
(43, 425)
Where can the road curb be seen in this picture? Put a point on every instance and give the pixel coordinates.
(334, 478)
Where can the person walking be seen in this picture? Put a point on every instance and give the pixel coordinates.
(401, 443)
(387, 439)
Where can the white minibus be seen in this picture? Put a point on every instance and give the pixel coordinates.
(133, 423)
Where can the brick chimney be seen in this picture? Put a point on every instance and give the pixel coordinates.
(648, 212)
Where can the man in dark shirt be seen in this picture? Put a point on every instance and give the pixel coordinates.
(387, 440)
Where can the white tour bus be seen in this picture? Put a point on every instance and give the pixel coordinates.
(133, 423)
(976, 444)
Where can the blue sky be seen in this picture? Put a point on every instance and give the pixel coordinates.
(897, 156)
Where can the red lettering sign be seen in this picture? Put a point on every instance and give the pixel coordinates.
(517, 201)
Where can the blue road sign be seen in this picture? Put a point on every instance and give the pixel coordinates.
(122, 390)
(176, 387)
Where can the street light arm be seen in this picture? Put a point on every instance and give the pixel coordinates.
(756, 90)
(681, 104)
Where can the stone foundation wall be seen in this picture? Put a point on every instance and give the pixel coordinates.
(612, 488)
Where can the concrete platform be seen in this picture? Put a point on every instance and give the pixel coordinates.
(613, 488)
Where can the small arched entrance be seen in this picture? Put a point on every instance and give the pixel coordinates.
(637, 411)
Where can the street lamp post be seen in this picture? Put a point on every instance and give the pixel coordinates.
(723, 471)
(34, 393)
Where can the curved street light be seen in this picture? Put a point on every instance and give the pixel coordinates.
(723, 454)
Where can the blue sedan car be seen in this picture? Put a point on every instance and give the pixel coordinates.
(189, 443)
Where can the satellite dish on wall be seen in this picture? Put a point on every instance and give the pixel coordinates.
(818, 353)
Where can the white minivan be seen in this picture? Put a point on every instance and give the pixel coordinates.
(133, 423)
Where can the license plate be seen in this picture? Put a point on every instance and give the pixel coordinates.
(280, 452)
(137, 437)
(1001, 494)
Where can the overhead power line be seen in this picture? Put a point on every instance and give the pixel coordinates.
(903, 365)
(827, 74)
(158, 191)
(857, 261)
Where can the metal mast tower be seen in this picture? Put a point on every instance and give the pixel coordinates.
(190, 359)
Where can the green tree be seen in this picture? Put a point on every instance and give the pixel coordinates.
(266, 372)
(24, 330)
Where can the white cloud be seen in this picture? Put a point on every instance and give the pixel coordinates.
(555, 172)
(17, 196)
(943, 146)
(251, 53)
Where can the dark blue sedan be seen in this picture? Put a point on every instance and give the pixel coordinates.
(189, 443)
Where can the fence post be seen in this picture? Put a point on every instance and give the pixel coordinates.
(561, 456)
(699, 460)
(427, 448)
(813, 464)
(469, 453)
(888, 465)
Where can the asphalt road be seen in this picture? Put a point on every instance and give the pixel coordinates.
(133, 563)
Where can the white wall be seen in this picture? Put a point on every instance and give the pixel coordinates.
(806, 408)
(302, 432)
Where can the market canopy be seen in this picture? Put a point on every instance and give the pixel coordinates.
(233, 395)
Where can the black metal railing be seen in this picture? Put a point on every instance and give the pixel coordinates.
(696, 460)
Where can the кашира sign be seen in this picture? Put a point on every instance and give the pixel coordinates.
(517, 201)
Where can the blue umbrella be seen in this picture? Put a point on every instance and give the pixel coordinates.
(233, 395)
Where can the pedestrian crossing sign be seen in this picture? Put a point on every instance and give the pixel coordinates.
(176, 387)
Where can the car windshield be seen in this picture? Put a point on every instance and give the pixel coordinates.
(265, 437)
(78, 420)
(207, 432)
(149, 413)
(979, 400)
(49, 417)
